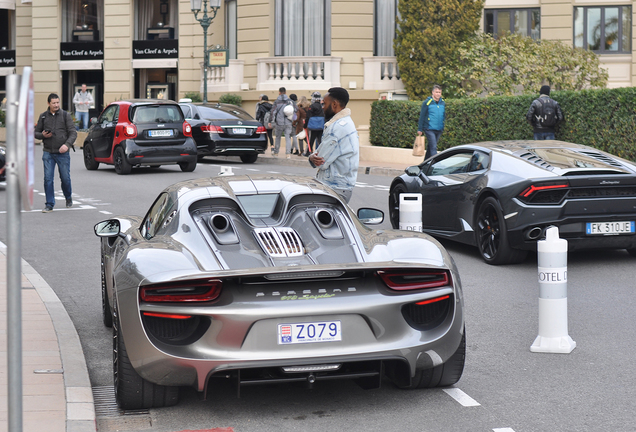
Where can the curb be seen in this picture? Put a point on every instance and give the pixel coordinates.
(80, 407)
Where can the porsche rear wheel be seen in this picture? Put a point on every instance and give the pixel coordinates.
(132, 391)
(122, 166)
(492, 236)
(394, 204)
(188, 166)
(106, 312)
(249, 158)
(443, 375)
(89, 157)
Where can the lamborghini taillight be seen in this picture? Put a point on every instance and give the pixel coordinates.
(205, 290)
(407, 280)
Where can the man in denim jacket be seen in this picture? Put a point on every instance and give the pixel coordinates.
(338, 156)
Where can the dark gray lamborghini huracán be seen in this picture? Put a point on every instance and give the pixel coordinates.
(273, 279)
(501, 196)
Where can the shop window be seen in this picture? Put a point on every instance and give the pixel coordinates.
(157, 19)
(303, 27)
(605, 30)
(385, 12)
(82, 20)
(526, 22)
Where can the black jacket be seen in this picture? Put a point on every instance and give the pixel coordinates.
(315, 110)
(536, 110)
(62, 126)
(263, 107)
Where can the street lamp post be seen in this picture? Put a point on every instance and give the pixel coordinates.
(205, 21)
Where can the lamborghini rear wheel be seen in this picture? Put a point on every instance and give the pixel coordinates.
(492, 235)
(394, 204)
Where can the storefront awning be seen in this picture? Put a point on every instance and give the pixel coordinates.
(81, 64)
(4, 71)
(7, 4)
(154, 63)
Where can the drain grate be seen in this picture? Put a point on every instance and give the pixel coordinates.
(112, 418)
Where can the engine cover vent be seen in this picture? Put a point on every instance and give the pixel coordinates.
(280, 242)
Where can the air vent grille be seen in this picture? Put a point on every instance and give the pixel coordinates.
(280, 242)
(601, 157)
(531, 157)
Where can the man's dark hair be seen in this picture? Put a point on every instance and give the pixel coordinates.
(282, 90)
(51, 97)
(339, 94)
(264, 97)
(293, 97)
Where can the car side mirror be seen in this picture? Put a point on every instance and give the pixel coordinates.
(370, 216)
(416, 171)
(93, 120)
(108, 228)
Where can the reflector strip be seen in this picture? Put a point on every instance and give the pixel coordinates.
(166, 315)
(435, 300)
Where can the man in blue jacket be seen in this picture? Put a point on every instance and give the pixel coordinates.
(432, 118)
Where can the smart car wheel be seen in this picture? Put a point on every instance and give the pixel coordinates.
(492, 236)
(122, 166)
(89, 157)
(188, 166)
(106, 312)
(394, 204)
(249, 158)
(132, 391)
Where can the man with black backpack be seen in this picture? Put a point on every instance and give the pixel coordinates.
(544, 114)
(282, 117)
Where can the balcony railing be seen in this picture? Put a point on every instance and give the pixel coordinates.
(381, 73)
(224, 79)
(300, 73)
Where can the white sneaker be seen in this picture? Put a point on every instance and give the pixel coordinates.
(288, 156)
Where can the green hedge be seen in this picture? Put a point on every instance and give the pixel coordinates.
(605, 119)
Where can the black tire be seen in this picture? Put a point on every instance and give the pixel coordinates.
(122, 166)
(249, 158)
(200, 158)
(492, 235)
(188, 166)
(443, 375)
(89, 157)
(632, 252)
(394, 204)
(106, 311)
(132, 392)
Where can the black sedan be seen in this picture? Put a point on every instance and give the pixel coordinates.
(225, 130)
(501, 196)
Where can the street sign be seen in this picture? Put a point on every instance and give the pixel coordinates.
(218, 58)
(25, 137)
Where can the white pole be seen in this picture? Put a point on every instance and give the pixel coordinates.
(553, 295)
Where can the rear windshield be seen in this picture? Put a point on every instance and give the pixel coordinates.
(157, 114)
(224, 113)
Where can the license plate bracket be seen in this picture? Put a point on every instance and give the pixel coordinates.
(610, 228)
(309, 332)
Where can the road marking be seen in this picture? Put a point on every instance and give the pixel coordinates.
(82, 207)
(503, 430)
(105, 212)
(461, 397)
(272, 172)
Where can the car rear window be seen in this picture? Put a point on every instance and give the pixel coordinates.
(224, 113)
(157, 114)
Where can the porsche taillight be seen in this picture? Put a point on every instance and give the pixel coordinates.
(211, 129)
(206, 290)
(409, 280)
(261, 130)
(130, 131)
(187, 129)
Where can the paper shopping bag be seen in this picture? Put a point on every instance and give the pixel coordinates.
(419, 146)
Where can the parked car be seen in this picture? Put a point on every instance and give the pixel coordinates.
(225, 130)
(501, 196)
(148, 132)
(273, 279)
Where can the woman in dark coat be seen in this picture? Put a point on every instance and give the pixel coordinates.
(315, 110)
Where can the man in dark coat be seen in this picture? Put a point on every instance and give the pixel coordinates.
(544, 114)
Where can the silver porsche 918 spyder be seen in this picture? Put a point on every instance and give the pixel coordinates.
(273, 279)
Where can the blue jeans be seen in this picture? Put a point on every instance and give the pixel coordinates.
(63, 161)
(544, 135)
(83, 118)
(432, 137)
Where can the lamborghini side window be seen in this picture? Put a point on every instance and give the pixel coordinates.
(479, 161)
(454, 164)
(155, 217)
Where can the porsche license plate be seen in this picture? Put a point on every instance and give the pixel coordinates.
(160, 133)
(309, 332)
(239, 131)
(610, 228)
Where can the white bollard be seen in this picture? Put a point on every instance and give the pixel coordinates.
(553, 295)
(411, 212)
(226, 171)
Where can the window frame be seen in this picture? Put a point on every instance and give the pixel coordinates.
(231, 28)
(376, 20)
(279, 26)
(602, 39)
(512, 11)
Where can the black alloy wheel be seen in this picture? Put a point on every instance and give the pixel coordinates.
(188, 166)
(89, 157)
(394, 204)
(249, 158)
(122, 166)
(492, 236)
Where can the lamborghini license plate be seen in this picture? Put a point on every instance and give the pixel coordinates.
(610, 228)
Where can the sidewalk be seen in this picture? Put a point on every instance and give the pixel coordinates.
(56, 391)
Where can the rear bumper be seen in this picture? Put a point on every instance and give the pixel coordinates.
(160, 155)
(232, 147)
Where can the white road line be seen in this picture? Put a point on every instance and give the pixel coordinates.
(252, 169)
(503, 430)
(461, 397)
(105, 212)
(82, 207)
(273, 172)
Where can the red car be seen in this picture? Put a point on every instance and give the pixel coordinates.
(133, 133)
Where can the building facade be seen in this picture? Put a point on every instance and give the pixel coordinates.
(154, 48)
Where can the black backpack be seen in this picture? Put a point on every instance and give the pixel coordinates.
(548, 113)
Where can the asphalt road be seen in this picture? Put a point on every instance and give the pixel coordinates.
(505, 387)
